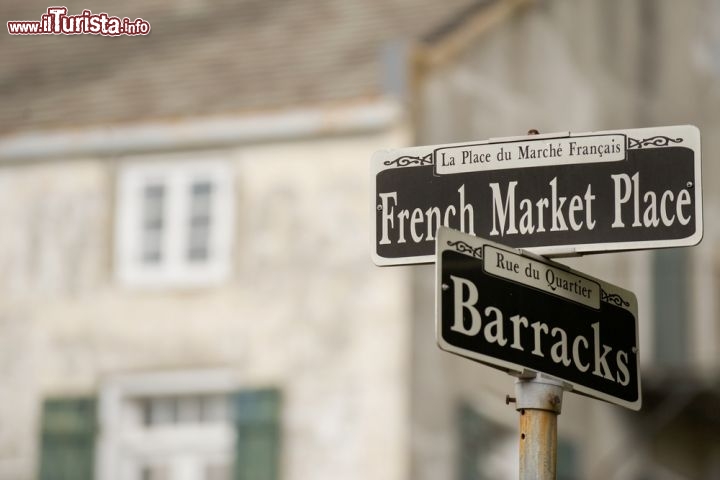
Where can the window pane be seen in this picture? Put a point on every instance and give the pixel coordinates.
(155, 472)
(152, 223)
(217, 471)
(184, 409)
(201, 193)
(189, 409)
(162, 411)
(215, 409)
(198, 249)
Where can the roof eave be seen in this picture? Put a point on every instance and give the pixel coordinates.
(208, 132)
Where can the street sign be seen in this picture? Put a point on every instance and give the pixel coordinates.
(556, 194)
(517, 311)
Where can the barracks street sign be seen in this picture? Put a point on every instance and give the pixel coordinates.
(517, 311)
(555, 194)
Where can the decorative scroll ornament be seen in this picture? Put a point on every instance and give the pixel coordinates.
(406, 160)
(614, 298)
(658, 141)
(463, 247)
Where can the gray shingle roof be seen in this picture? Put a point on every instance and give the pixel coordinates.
(203, 57)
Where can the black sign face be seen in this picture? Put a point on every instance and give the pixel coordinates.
(516, 312)
(554, 195)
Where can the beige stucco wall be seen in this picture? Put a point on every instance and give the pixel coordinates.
(304, 308)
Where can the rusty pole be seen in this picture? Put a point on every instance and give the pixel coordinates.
(538, 398)
(539, 401)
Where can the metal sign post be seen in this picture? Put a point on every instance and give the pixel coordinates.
(539, 401)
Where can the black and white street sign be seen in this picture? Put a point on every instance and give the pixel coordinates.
(517, 311)
(557, 194)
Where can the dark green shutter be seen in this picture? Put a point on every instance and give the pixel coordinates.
(671, 307)
(474, 432)
(477, 436)
(68, 439)
(567, 461)
(257, 419)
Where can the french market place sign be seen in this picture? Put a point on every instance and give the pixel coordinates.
(555, 194)
(516, 311)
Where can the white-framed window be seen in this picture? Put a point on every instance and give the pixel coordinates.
(174, 221)
(167, 426)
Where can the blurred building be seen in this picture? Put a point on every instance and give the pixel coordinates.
(187, 291)
(590, 65)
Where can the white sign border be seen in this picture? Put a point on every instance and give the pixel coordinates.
(558, 251)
